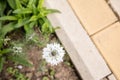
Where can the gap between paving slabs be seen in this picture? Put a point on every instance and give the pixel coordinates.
(108, 13)
(81, 50)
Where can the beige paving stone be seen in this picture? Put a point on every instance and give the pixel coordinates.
(85, 56)
(108, 42)
(93, 14)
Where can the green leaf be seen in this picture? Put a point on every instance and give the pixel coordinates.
(45, 78)
(32, 24)
(12, 26)
(2, 7)
(49, 11)
(20, 60)
(30, 3)
(2, 60)
(12, 4)
(26, 28)
(1, 42)
(22, 22)
(9, 12)
(23, 11)
(24, 2)
(40, 4)
(44, 12)
(34, 18)
(34, 9)
(36, 2)
(0, 24)
(18, 4)
(7, 28)
(29, 28)
(8, 18)
(52, 72)
(47, 27)
(41, 22)
(5, 51)
(30, 33)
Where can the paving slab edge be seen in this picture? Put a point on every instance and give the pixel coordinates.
(86, 57)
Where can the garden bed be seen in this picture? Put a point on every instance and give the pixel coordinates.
(25, 32)
(40, 70)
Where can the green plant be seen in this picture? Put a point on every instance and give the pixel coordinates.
(25, 14)
(15, 73)
(19, 59)
(3, 52)
(2, 8)
(42, 66)
(52, 73)
(9, 54)
(45, 78)
(29, 15)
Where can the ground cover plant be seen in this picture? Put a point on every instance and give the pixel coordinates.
(29, 48)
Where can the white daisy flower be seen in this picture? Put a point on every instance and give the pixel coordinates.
(53, 53)
(17, 49)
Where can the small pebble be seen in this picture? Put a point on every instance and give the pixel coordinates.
(19, 66)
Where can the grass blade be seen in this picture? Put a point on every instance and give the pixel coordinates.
(2, 7)
(22, 22)
(40, 4)
(2, 60)
(20, 60)
(30, 3)
(23, 11)
(7, 28)
(18, 4)
(12, 26)
(5, 51)
(12, 4)
(49, 11)
(8, 18)
(34, 18)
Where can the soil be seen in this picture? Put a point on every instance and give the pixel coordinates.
(63, 71)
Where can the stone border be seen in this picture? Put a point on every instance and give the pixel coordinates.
(85, 56)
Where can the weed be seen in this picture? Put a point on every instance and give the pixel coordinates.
(16, 74)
